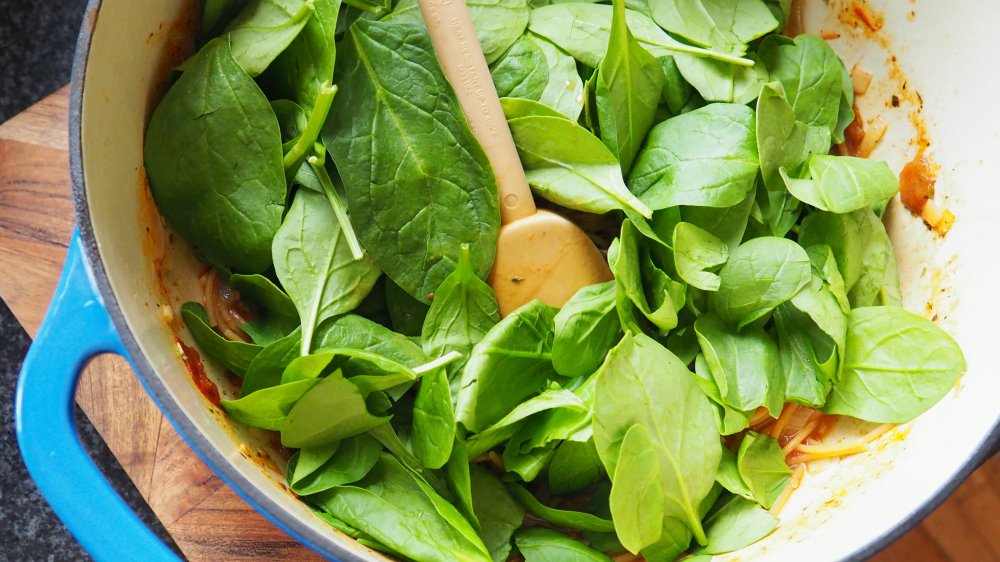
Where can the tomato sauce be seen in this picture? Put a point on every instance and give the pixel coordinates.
(192, 361)
(916, 184)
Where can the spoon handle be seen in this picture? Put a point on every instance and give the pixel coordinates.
(464, 65)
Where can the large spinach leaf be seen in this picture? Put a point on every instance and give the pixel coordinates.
(353, 459)
(762, 466)
(264, 29)
(706, 158)
(538, 544)
(586, 328)
(300, 71)
(418, 183)
(564, 91)
(783, 142)
(726, 25)
(643, 383)
(316, 266)
(464, 309)
(629, 87)
(214, 116)
(722, 81)
(512, 362)
(522, 72)
(896, 366)
(332, 409)
(696, 254)
(738, 523)
(745, 365)
(842, 184)
(637, 493)
(761, 274)
(268, 408)
(402, 511)
(812, 75)
(433, 420)
(497, 512)
(552, 399)
(569, 166)
(267, 367)
(583, 30)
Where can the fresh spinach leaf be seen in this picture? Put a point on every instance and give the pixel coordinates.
(718, 81)
(642, 382)
(400, 510)
(745, 365)
(706, 158)
(538, 544)
(463, 311)
(433, 421)
(512, 362)
(394, 94)
(564, 90)
(762, 467)
(569, 166)
(812, 75)
(235, 356)
(264, 29)
(737, 524)
(576, 520)
(629, 87)
(354, 458)
(332, 410)
(727, 224)
(459, 480)
(783, 142)
(527, 464)
(696, 254)
(522, 72)
(626, 260)
(586, 328)
(729, 420)
(274, 313)
(267, 367)
(842, 184)
(503, 429)
(729, 477)
(212, 116)
(315, 265)
(761, 274)
(498, 23)
(725, 25)
(807, 381)
(497, 512)
(896, 366)
(268, 408)
(354, 332)
(637, 491)
(583, 30)
(307, 63)
(309, 460)
(677, 92)
(863, 253)
(575, 466)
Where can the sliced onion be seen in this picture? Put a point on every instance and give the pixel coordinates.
(873, 135)
(862, 79)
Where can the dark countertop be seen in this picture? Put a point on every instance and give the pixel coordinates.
(37, 41)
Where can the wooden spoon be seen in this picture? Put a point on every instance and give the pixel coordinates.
(540, 255)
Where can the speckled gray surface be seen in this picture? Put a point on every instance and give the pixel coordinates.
(37, 40)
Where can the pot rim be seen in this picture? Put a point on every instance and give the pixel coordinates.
(323, 543)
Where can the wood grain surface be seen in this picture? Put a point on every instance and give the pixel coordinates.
(208, 521)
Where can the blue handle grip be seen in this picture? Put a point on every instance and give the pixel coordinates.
(76, 328)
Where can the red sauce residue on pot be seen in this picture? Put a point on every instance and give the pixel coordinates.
(916, 184)
(192, 361)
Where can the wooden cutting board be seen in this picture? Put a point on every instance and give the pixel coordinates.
(208, 521)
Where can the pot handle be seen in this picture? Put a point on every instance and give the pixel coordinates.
(76, 328)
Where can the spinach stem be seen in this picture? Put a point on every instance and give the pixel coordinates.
(338, 207)
(707, 53)
(445, 359)
(313, 126)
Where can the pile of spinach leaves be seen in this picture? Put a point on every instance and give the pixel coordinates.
(313, 152)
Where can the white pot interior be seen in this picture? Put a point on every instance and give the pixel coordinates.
(841, 507)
